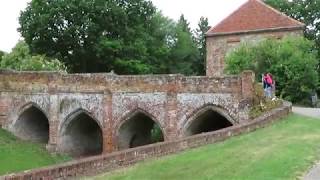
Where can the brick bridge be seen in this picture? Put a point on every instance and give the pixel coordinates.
(90, 114)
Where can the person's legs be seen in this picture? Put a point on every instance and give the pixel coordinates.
(266, 92)
(269, 92)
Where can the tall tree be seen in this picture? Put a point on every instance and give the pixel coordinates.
(2, 53)
(306, 11)
(203, 27)
(95, 35)
(184, 53)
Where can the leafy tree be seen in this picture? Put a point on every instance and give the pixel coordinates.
(306, 12)
(203, 27)
(184, 56)
(96, 35)
(292, 61)
(2, 53)
(20, 59)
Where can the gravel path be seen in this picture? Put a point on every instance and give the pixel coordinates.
(311, 112)
(314, 173)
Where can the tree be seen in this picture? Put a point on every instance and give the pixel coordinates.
(306, 12)
(184, 56)
(292, 61)
(20, 59)
(96, 35)
(2, 53)
(203, 27)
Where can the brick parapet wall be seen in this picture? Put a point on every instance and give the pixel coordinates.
(45, 82)
(104, 163)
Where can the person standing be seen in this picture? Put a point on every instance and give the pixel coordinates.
(267, 85)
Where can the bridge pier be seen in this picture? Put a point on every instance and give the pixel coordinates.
(171, 131)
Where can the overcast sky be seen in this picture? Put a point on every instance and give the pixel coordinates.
(215, 10)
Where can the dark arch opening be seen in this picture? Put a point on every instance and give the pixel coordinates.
(208, 121)
(139, 130)
(32, 125)
(82, 136)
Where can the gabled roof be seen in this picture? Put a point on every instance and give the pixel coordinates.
(254, 15)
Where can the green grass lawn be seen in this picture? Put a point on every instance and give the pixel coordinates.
(285, 150)
(17, 155)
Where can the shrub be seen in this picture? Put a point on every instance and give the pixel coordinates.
(20, 59)
(292, 62)
(262, 104)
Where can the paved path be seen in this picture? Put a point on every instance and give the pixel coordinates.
(311, 112)
(314, 173)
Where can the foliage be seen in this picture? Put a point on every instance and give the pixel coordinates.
(284, 150)
(203, 27)
(291, 61)
(119, 35)
(156, 134)
(20, 59)
(306, 12)
(17, 155)
(261, 104)
(184, 55)
(125, 36)
(2, 53)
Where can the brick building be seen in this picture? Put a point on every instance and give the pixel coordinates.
(252, 22)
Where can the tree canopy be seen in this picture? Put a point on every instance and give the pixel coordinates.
(127, 36)
(291, 61)
(203, 27)
(92, 35)
(20, 59)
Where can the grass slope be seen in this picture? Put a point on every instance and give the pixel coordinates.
(17, 155)
(284, 150)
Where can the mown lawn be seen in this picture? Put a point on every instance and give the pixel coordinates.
(285, 150)
(17, 155)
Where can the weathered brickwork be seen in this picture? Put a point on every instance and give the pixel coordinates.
(110, 101)
(108, 162)
(219, 45)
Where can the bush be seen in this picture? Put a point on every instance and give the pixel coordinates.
(262, 104)
(156, 134)
(20, 59)
(292, 62)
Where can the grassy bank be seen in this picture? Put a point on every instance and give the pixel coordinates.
(17, 155)
(285, 150)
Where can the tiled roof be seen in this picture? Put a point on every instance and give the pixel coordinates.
(252, 16)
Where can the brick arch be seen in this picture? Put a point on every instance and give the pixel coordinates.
(129, 116)
(74, 114)
(81, 134)
(202, 110)
(31, 123)
(28, 105)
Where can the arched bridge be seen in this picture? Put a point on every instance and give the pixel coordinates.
(90, 114)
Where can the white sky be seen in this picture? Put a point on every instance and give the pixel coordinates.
(215, 10)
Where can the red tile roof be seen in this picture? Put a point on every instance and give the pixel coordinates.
(252, 16)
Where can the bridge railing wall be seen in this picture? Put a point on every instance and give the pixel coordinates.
(46, 82)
